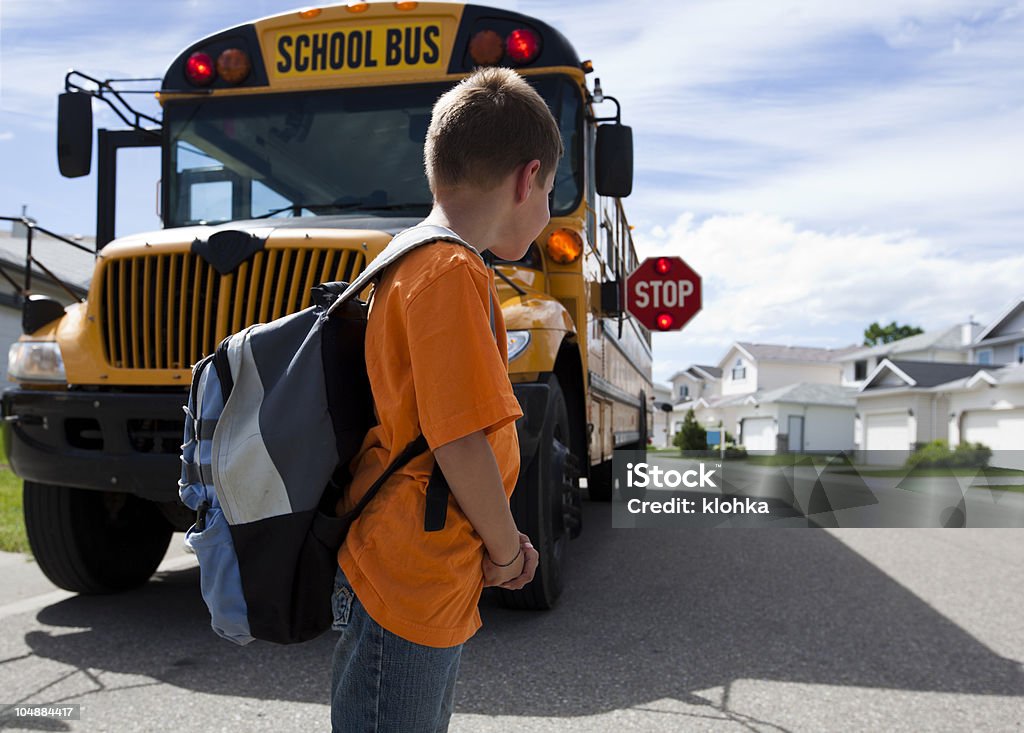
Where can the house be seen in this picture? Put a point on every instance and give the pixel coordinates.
(988, 408)
(906, 403)
(949, 345)
(900, 409)
(695, 382)
(71, 266)
(776, 398)
(1002, 342)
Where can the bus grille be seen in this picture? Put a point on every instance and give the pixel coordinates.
(168, 311)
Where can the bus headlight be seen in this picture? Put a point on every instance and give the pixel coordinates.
(35, 361)
(517, 343)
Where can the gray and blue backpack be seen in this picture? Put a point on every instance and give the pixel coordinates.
(274, 417)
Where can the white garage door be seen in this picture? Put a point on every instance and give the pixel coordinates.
(887, 432)
(998, 429)
(759, 433)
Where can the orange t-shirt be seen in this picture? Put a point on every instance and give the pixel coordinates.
(436, 368)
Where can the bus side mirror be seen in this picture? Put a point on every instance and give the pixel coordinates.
(74, 134)
(614, 160)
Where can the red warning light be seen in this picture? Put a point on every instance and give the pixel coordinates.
(663, 265)
(199, 69)
(665, 321)
(522, 45)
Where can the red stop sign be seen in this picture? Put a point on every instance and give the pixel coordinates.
(663, 293)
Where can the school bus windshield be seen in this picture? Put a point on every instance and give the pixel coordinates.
(325, 152)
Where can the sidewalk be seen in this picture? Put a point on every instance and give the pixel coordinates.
(23, 587)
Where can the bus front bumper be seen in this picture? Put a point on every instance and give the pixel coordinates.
(131, 443)
(110, 441)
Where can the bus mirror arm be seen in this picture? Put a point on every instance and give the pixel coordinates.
(106, 91)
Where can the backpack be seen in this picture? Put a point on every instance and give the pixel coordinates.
(274, 416)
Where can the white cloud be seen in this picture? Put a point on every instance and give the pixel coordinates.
(765, 279)
(885, 115)
(6, 135)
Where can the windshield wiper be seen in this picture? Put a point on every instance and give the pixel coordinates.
(355, 206)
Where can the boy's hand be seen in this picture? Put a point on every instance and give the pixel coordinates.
(519, 573)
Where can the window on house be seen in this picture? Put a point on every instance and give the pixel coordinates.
(1020, 353)
(860, 370)
(684, 391)
(985, 357)
(739, 371)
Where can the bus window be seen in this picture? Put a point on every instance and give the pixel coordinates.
(210, 201)
(333, 151)
(591, 217)
(138, 170)
(566, 195)
(265, 199)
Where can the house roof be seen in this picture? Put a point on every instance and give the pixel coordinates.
(1008, 314)
(774, 352)
(1012, 374)
(71, 265)
(923, 374)
(699, 371)
(712, 371)
(800, 393)
(807, 393)
(947, 339)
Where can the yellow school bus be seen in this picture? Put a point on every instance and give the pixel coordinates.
(292, 151)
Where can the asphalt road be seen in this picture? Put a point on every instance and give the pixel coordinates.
(658, 630)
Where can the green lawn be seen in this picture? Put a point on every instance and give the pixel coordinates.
(12, 524)
(1015, 489)
(783, 459)
(925, 472)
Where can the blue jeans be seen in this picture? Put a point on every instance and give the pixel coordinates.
(379, 681)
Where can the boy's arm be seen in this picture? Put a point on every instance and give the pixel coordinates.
(472, 473)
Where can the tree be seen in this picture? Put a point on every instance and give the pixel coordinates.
(876, 334)
(691, 436)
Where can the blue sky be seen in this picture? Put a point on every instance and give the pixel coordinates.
(822, 165)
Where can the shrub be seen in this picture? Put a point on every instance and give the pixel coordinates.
(975, 455)
(692, 435)
(735, 452)
(937, 454)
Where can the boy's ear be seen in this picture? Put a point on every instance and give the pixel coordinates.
(527, 176)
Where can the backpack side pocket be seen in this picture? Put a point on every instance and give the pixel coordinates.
(219, 577)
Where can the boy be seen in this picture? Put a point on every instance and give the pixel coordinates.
(406, 599)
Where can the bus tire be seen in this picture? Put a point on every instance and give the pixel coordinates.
(94, 541)
(537, 504)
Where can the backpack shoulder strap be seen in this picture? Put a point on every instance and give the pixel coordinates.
(403, 243)
(437, 488)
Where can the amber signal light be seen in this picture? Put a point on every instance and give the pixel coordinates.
(233, 65)
(564, 246)
(486, 48)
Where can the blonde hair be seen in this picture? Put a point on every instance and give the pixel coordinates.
(485, 127)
